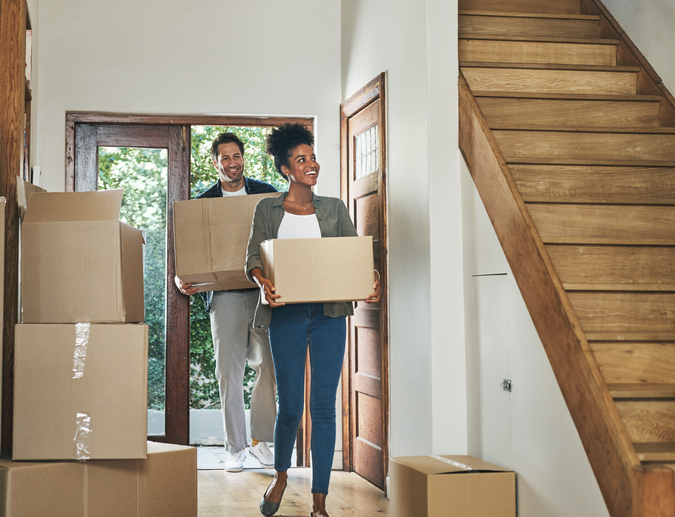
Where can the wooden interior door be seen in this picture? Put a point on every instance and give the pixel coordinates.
(366, 370)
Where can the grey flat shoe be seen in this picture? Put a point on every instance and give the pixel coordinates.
(268, 507)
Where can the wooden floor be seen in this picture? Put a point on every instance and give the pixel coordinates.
(224, 494)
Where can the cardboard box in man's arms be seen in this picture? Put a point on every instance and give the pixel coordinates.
(211, 237)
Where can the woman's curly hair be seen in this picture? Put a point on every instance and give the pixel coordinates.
(283, 140)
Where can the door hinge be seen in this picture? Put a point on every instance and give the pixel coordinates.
(506, 385)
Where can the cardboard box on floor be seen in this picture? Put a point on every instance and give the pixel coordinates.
(450, 486)
(329, 269)
(80, 391)
(211, 237)
(79, 263)
(163, 485)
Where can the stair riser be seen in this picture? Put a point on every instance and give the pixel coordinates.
(523, 6)
(589, 184)
(586, 147)
(490, 51)
(476, 26)
(635, 362)
(648, 421)
(607, 265)
(515, 113)
(624, 312)
(550, 81)
(604, 224)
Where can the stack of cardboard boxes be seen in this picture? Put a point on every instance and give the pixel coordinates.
(80, 371)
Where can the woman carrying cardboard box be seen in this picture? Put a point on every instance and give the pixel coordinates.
(299, 213)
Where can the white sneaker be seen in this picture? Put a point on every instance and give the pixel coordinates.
(263, 454)
(235, 462)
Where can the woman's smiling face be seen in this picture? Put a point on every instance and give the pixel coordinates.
(302, 166)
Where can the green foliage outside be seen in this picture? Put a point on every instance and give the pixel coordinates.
(258, 165)
(142, 173)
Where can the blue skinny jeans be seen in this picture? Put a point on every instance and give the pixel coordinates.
(293, 328)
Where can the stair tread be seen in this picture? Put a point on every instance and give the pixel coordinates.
(506, 14)
(652, 337)
(659, 452)
(642, 391)
(569, 96)
(590, 129)
(549, 66)
(541, 39)
(612, 163)
(619, 287)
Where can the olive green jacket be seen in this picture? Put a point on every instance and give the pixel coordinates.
(334, 221)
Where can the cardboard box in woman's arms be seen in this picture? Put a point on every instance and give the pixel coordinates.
(331, 269)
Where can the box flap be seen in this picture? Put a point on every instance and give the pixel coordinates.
(432, 465)
(102, 205)
(24, 191)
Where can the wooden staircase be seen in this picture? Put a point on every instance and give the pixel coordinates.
(570, 138)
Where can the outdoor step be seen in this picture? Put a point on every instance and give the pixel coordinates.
(623, 312)
(645, 147)
(521, 113)
(614, 268)
(660, 452)
(648, 420)
(633, 391)
(635, 362)
(522, 6)
(595, 184)
(568, 223)
(550, 78)
(500, 51)
(476, 24)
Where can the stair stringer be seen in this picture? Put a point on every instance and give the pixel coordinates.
(604, 437)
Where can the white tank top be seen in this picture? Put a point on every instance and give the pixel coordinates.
(299, 227)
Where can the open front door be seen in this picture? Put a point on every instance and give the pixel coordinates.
(366, 370)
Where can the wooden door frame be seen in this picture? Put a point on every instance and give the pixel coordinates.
(175, 138)
(360, 100)
(177, 327)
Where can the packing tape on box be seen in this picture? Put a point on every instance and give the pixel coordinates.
(81, 343)
(453, 463)
(82, 436)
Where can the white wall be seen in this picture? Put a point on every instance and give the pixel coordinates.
(530, 429)
(649, 23)
(414, 43)
(258, 57)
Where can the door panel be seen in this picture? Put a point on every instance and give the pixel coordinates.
(88, 139)
(366, 371)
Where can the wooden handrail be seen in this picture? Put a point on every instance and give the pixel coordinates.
(605, 439)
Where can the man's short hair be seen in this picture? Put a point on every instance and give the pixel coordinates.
(225, 138)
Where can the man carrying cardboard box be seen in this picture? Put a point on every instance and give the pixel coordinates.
(235, 339)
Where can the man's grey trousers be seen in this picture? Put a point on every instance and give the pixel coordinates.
(235, 342)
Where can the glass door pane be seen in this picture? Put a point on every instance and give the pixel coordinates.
(142, 173)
